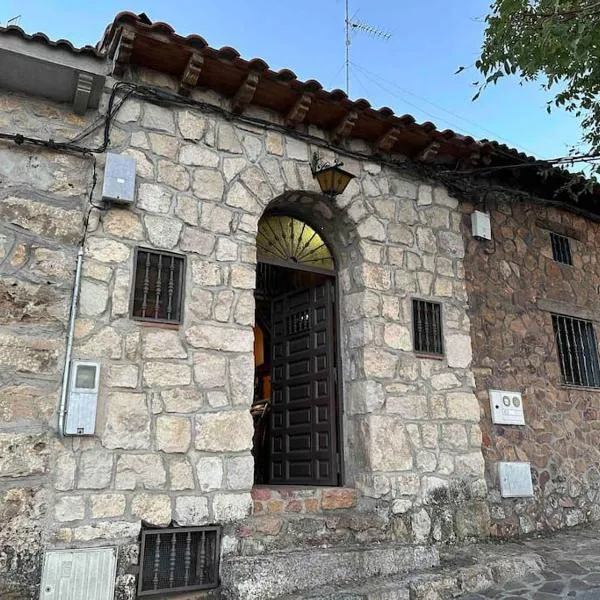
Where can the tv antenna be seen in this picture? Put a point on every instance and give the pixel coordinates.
(13, 21)
(351, 24)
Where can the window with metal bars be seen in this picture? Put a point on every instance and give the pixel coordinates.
(427, 327)
(158, 286)
(561, 248)
(178, 559)
(577, 351)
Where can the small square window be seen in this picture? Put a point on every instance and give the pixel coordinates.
(158, 286)
(577, 351)
(179, 559)
(561, 248)
(427, 327)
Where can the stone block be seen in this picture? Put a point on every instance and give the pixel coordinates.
(104, 344)
(241, 378)
(164, 145)
(173, 434)
(50, 263)
(397, 336)
(229, 431)
(240, 472)
(181, 475)
(334, 499)
(152, 508)
(106, 251)
(227, 139)
(469, 465)
(121, 293)
(240, 197)
(103, 506)
(185, 400)
(69, 508)
(93, 298)
(209, 472)
(388, 446)
(208, 184)
(140, 470)
(42, 219)
(409, 406)
(231, 507)
(107, 530)
(191, 510)
(127, 421)
(23, 455)
(197, 241)
(95, 469)
(166, 374)
(463, 406)
(210, 369)
(159, 118)
(162, 343)
(64, 472)
(163, 232)
(173, 175)
(454, 436)
(123, 223)
(154, 198)
(444, 381)
(379, 363)
(421, 526)
(364, 397)
(226, 338)
(458, 350)
(191, 125)
(122, 376)
(187, 209)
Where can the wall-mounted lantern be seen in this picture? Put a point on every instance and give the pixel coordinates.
(332, 180)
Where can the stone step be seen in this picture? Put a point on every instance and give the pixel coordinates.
(268, 576)
(464, 571)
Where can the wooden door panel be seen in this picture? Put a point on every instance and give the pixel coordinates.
(303, 413)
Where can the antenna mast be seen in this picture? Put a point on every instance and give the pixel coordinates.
(350, 24)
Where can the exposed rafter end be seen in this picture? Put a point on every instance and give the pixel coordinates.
(388, 140)
(83, 90)
(299, 110)
(429, 153)
(345, 127)
(189, 78)
(243, 97)
(123, 50)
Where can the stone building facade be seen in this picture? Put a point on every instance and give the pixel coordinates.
(515, 285)
(219, 144)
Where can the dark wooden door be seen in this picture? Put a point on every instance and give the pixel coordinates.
(303, 425)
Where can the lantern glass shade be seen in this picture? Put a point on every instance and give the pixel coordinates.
(333, 180)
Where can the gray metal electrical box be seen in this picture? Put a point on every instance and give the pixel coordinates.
(87, 574)
(83, 398)
(119, 179)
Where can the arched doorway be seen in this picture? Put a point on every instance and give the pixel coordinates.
(296, 406)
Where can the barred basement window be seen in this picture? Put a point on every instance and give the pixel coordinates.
(178, 559)
(577, 351)
(427, 327)
(561, 248)
(158, 286)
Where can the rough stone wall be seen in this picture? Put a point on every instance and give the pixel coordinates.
(514, 286)
(42, 196)
(173, 431)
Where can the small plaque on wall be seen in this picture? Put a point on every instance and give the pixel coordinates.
(507, 408)
(515, 479)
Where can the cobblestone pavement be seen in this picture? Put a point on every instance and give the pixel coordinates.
(572, 570)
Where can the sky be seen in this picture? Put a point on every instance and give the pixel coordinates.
(413, 72)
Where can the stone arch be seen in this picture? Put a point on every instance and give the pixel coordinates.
(340, 232)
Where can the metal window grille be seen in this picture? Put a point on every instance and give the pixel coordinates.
(177, 559)
(158, 286)
(427, 327)
(561, 248)
(577, 351)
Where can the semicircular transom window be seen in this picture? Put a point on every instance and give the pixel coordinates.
(285, 239)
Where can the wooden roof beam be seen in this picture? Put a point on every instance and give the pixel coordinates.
(429, 153)
(191, 73)
(388, 140)
(299, 110)
(243, 97)
(345, 127)
(123, 50)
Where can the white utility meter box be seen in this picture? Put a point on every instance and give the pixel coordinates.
(83, 398)
(480, 225)
(515, 479)
(507, 408)
(119, 179)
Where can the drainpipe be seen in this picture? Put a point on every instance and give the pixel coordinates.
(62, 411)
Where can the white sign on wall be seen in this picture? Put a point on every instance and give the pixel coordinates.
(507, 408)
(515, 479)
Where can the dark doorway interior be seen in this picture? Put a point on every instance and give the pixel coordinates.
(295, 409)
